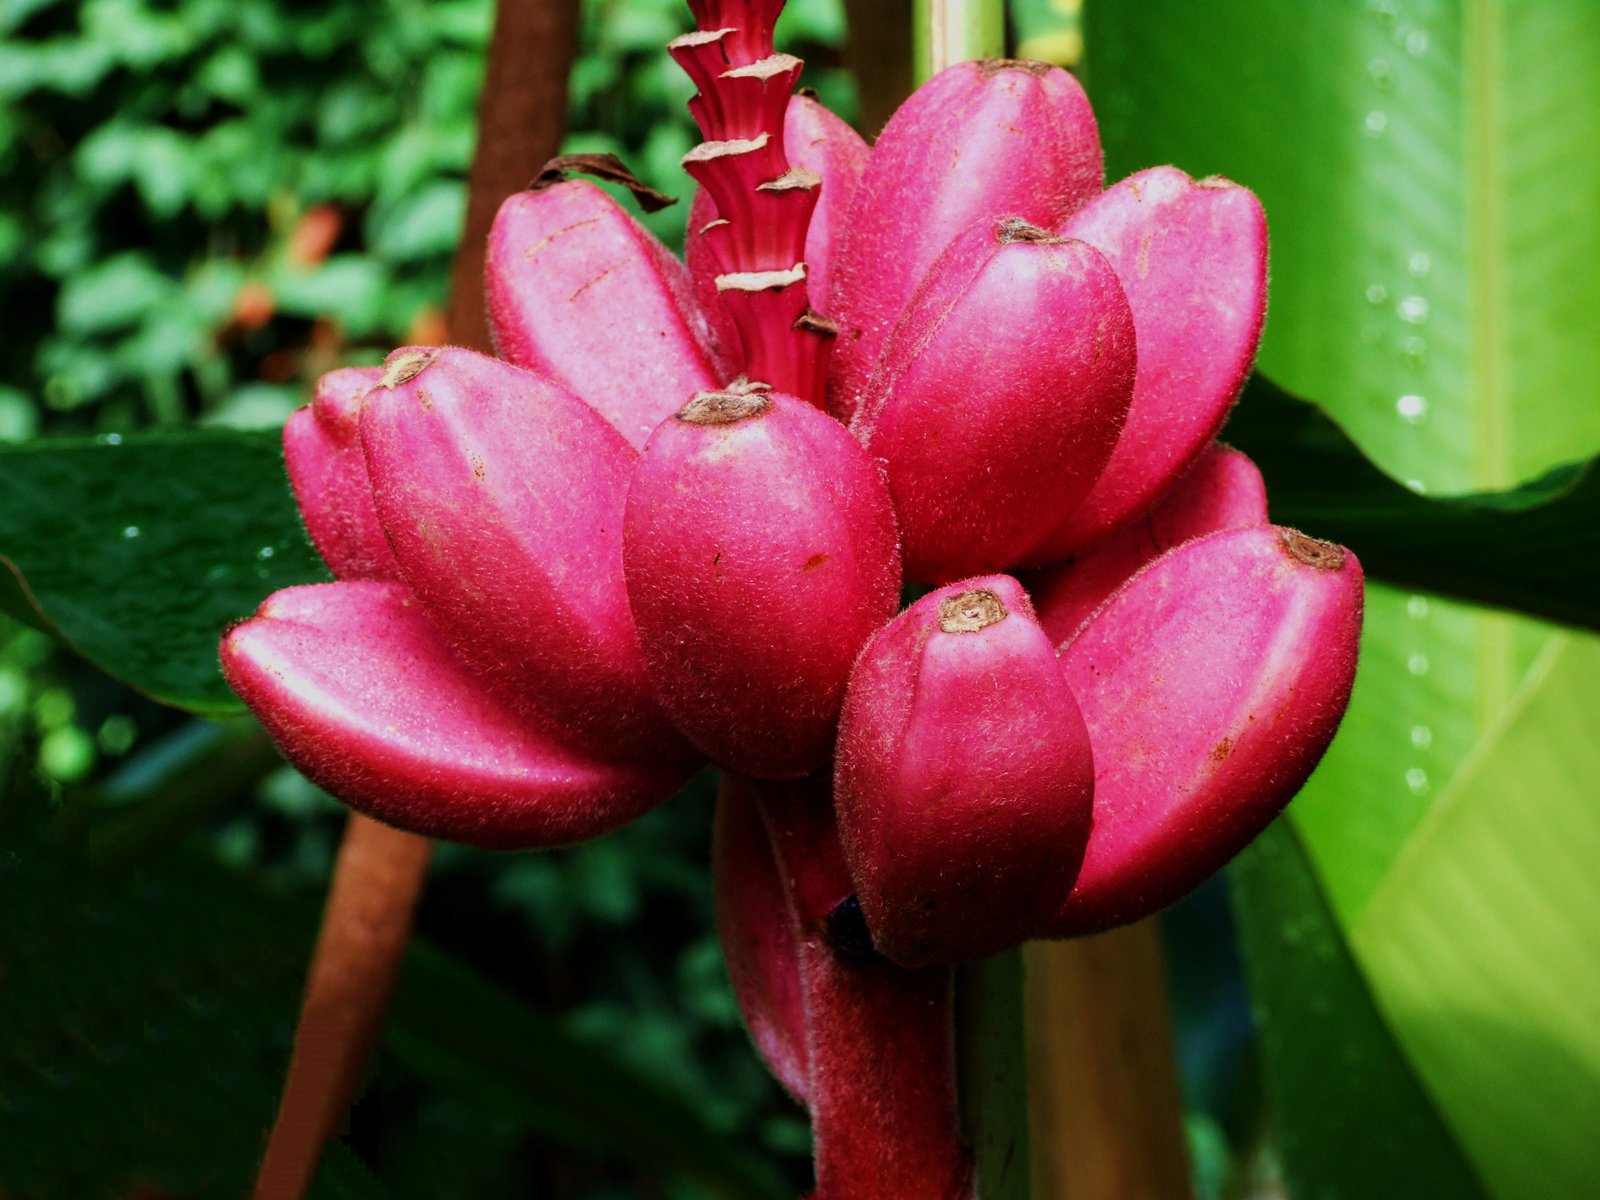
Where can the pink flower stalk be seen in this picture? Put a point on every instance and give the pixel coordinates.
(866, 1046)
(670, 524)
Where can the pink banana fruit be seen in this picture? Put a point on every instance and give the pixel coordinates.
(964, 778)
(980, 140)
(322, 450)
(999, 396)
(583, 294)
(1192, 258)
(879, 1039)
(1211, 685)
(362, 694)
(819, 141)
(502, 495)
(1222, 490)
(760, 551)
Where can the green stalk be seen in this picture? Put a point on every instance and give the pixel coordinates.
(952, 31)
(992, 1057)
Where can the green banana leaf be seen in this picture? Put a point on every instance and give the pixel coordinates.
(1428, 168)
(1534, 548)
(1314, 1007)
(139, 550)
(146, 1024)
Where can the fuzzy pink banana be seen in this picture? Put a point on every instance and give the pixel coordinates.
(1211, 685)
(879, 1038)
(322, 450)
(1222, 490)
(817, 141)
(582, 293)
(761, 553)
(980, 140)
(362, 694)
(964, 778)
(999, 396)
(1192, 258)
(502, 495)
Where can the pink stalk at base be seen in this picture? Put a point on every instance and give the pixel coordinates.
(880, 1045)
(759, 942)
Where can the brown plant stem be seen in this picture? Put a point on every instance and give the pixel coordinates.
(521, 121)
(365, 927)
(379, 873)
(1107, 1117)
(878, 54)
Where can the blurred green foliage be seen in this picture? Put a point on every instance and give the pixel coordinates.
(208, 202)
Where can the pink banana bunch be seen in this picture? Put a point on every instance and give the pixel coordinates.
(670, 524)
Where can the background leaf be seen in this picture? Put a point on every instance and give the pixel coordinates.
(139, 550)
(1426, 167)
(1367, 1127)
(148, 1016)
(1535, 548)
(486, 1045)
(1483, 941)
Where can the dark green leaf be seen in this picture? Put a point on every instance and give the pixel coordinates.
(1353, 1121)
(145, 1022)
(139, 553)
(475, 1038)
(1535, 548)
(992, 1060)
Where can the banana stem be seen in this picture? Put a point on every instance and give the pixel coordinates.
(992, 1057)
(952, 31)
(1107, 1111)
